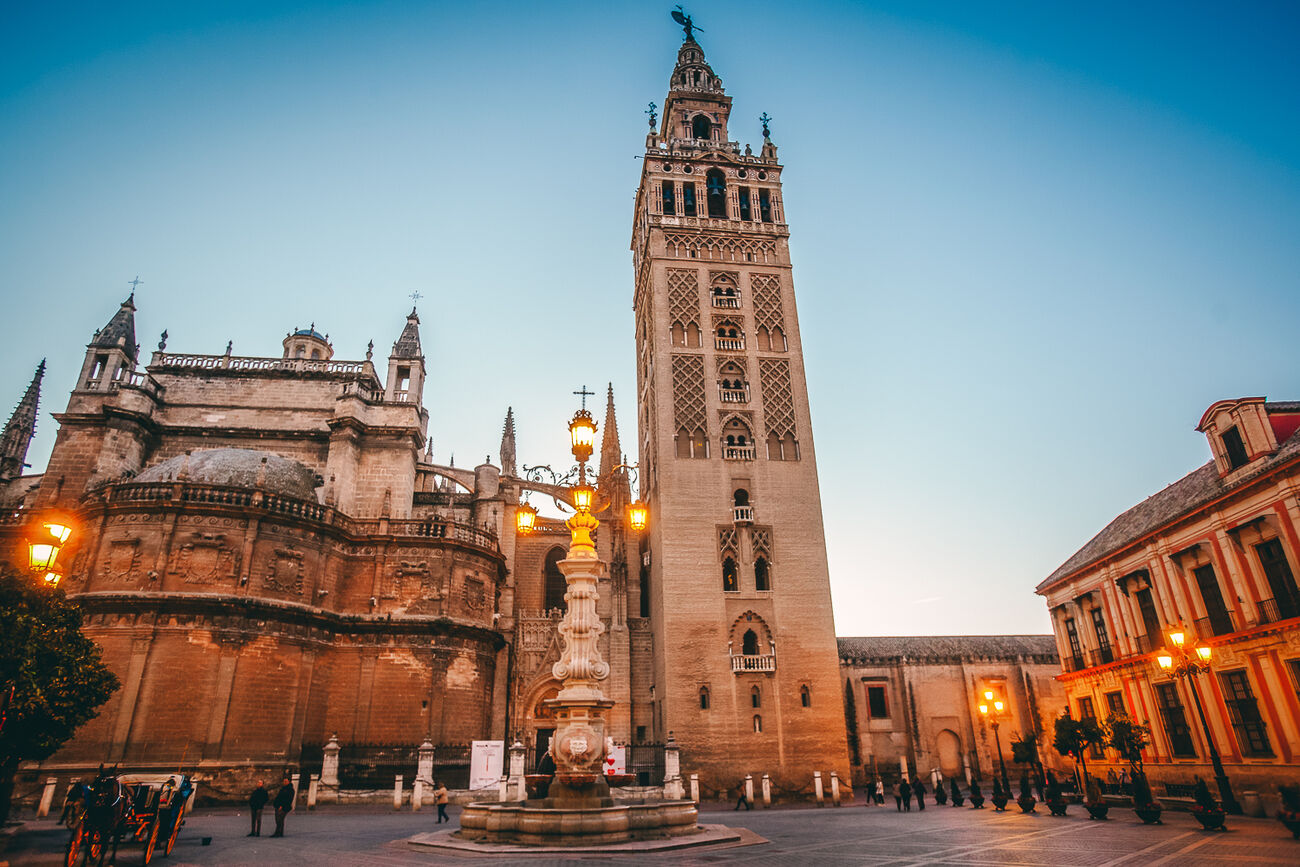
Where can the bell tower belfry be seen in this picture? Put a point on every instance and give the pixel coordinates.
(746, 669)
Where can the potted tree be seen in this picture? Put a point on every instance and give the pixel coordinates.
(976, 799)
(1000, 797)
(1289, 815)
(1129, 738)
(1093, 801)
(1206, 809)
(1074, 738)
(957, 799)
(1024, 751)
(1026, 801)
(1055, 797)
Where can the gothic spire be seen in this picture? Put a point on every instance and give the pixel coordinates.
(119, 333)
(508, 444)
(18, 433)
(408, 345)
(611, 453)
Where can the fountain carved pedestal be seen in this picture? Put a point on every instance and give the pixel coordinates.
(578, 809)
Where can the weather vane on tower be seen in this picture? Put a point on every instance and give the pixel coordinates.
(687, 24)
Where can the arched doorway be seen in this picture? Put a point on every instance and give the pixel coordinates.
(949, 753)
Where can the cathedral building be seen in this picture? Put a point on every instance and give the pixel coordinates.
(268, 539)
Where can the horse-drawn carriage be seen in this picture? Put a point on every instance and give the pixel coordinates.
(144, 808)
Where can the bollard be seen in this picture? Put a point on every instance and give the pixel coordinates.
(397, 792)
(313, 783)
(417, 795)
(297, 792)
(47, 797)
(767, 791)
(517, 772)
(329, 769)
(695, 788)
(749, 788)
(424, 762)
(503, 789)
(817, 786)
(835, 788)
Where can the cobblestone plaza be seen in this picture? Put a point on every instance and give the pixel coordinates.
(827, 836)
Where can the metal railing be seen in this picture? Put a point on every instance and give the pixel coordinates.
(1073, 663)
(762, 662)
(1102, 655)
(1218, 623)
(1146, 644)
(1278, 608)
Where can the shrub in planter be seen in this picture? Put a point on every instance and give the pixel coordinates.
(976, 798)
(1026, 801)
(1206, 809)
(1093, 802)
(1055, 797)
(957, 799)
(999, 797)
(1289, 814)
(1148, 809)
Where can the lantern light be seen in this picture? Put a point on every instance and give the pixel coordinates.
(637, 515)
(582, 497)
(40, 555)
(525, 519)
(1204, 653)
(582, 432)
(988, 695)
(43, 545)
(59, 530)
(997, 706)
(1165, 659)
(52, 579)
(1177, 637)
(984, 709)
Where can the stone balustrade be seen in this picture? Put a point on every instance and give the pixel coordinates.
(738, 453)
(761, 662)
(250, 364)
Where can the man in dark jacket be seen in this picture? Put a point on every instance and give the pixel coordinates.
(918, 788)
(283, 804)
(256, 802)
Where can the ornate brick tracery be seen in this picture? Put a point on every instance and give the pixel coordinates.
(778, 398)
(688, 393)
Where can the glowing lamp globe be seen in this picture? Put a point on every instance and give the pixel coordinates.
(59, 530)
(44, 544)
(52, 579)
(525, 519)
(997, 706)
(984, 709)
(582, 432)
(1177, 637)
(988, 695)
(582, 497)
(1165, 659)
(638, 515)
(1204, 653)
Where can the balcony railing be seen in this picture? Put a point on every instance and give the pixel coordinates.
(738, 453)
(733, 395)
(1146, 644)
(730, 301)
(1218, 623)
(730, 344)
(761, 662)
(742, 514)
(1102, 655)
(1073, 663)
(1279, 608)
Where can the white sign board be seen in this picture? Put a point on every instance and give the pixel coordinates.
(486, 758)
(619, 765)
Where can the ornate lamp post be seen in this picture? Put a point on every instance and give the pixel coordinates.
(1182, 663)
(991, 708)
(43, 546)
(578, 746)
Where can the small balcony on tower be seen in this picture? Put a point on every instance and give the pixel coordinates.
(737, 440)
(741, 510)
(729, 338)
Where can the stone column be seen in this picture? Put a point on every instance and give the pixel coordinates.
(424, 763)
(312, 785)
(397, 792)
(817, 788)
(835, 788)
(503, 789)
(695, 788)
(516, 781)
(767, 791)
(672, 771)
(297, 791)
(329, 767)
(47, 797)
(417, 794)
(749, 788)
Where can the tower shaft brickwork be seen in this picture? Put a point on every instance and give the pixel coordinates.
(746, 665)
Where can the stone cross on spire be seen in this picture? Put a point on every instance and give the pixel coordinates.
(508, 444)
(18, 433)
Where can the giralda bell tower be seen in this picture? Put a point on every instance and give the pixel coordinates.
(734, 564)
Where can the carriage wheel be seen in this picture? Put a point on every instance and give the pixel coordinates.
(151, 841)
(176, 829)
(77, 850)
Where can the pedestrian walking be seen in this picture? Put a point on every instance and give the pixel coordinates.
(742, 799)
(440, 798)
(880, 792)
(283, 804)
(74, 803)
(907, 796)
(918, 788)
(898, 796)
(256, 802)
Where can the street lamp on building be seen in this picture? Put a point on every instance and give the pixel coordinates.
(1184, 663)
(44, 543)
(991, 708)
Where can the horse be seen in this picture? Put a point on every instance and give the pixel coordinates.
(106, 807)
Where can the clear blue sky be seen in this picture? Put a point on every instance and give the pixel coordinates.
(1032, 241)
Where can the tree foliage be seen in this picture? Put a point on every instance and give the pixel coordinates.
(1073, 737)
(1024, 749)
(1127, 737)
(57, 678)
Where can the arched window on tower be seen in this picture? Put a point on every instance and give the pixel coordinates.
(730, 576)
(762, 580)
(704, 698)
(670, 198)
(740, 497)
(700, 126)
(554, 580)
(716, 187)
(749, 643)
(805, 696)
(758, 724)
(755, 697)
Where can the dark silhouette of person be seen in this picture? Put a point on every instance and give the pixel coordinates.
(907, 795)
(440, 796)
(742, 799)
(898, 796)
(256, 802)
(919, 788)
(283, 804)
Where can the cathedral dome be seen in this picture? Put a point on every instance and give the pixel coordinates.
(243, 468)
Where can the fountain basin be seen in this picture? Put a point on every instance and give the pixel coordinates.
(531, 823)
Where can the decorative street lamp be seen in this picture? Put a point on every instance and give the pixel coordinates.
(1182, 663)
(43, 546)
(991, 708)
